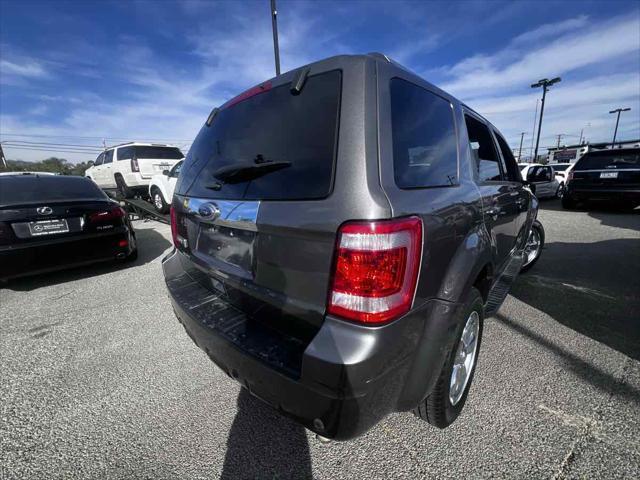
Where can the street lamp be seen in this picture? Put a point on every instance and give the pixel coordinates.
(545, 83)
(615, 132)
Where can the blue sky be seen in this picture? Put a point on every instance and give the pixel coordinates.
(79, 71)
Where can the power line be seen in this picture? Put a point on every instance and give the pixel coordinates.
(99, 138)
(43, 149)
(25, 142)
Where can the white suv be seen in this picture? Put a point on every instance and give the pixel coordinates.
(162, 186)
(128, 168)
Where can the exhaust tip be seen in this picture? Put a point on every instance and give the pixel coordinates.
(120, 256)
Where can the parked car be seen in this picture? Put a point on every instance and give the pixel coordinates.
(50, 222)
(561, 171)
(605, 175)
(339, 262)
(161, 188)
(128, 168)
(543, 179)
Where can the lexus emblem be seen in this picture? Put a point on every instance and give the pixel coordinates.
(44, 210)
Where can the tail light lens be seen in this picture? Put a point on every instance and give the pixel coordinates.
(178, 229)
(107, 215)
(174, 226)
(376, 269)
(134, 165)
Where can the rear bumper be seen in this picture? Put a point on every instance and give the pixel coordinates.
(134, 180)
(595, 193)
(60, 253)
(350, 377)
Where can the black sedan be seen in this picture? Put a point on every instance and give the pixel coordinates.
(51, 222)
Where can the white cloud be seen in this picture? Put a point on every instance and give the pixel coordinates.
(598, 60)
(26, 69)
(600, 42)
(552, 30)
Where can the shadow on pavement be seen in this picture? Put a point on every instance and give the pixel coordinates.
(151, 245)
(264, 444)
(591, 288)
(587, 372)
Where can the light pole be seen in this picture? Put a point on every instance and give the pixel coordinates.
(615, 132)
(545, 83)
(274, 26)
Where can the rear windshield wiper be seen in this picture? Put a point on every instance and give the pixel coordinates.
(242, 172)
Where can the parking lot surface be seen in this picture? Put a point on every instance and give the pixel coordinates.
(100, 380)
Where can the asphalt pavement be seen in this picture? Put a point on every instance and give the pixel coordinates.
(99, 380)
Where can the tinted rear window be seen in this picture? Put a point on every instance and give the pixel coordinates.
(601, 160)
(424, 137)
(272, 126)
(167, 153)
(39, 189)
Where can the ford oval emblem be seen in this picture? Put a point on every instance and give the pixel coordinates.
(44, 210)
(209, 211)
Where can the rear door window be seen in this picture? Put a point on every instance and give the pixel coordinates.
(425, 150)
(483, 150)
(298, 133)
(609, 160)
(512, 171)
(124, 153)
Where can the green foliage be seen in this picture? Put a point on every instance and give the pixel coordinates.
(51, 164)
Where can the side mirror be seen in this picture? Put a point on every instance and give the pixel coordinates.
(166, 173)
(90, 163)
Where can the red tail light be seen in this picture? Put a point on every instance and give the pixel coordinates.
(376, 269)
(174, 226)
(134, 165)
(107, 215)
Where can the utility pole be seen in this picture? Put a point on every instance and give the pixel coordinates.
(533, 132)
(588, 124)
(274, 26)
(615, 132)
(559, 137)
(545, 83)
(520, 149)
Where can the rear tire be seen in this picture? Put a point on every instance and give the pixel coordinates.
(568, 203)
(560, 191)
(158, 201)
(536, 235)
(132, 257)
(123, 189)
(438, 408)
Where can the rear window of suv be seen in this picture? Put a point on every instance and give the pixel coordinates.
(298, 133)
(425, 153)
(610, 159)
(165, 153)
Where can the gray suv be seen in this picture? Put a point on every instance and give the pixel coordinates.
(341, 231)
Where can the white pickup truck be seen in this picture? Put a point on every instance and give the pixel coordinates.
(128, 168)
